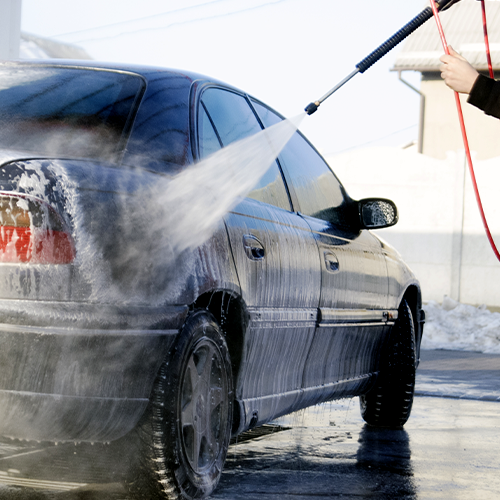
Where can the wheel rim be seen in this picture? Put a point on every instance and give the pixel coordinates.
(203, 406)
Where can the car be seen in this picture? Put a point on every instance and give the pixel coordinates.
(146, 296)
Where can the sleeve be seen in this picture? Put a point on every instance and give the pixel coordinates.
(485, 95)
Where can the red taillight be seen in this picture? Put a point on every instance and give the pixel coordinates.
(32, 231)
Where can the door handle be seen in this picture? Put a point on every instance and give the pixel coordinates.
(253, 247)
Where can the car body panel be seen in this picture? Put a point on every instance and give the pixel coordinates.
(280, 286)
(82, 366)
(87, 378)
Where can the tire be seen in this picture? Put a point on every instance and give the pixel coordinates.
(182, 441)
(389, 402)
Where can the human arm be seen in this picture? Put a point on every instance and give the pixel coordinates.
(485, 95)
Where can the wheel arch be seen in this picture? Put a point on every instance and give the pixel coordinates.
(413, 298)
(231, 314)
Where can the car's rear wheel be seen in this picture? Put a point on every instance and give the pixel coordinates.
(389, 402)
(184, 436)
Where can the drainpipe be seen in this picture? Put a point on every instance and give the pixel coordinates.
(422, 113)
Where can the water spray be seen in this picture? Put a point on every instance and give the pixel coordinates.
(383, 49)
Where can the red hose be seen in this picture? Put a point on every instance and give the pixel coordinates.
(466, 141)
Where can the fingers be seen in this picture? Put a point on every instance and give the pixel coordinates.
(454, 53)
(446, 59)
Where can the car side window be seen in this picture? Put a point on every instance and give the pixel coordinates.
(234, 119)
(208, 141)
(318, 191)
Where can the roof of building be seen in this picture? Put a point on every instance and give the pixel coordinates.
(37, 47)
(463, 28)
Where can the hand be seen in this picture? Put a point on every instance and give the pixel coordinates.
(457, 73)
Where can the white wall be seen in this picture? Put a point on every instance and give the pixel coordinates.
(441, 126)
(440, 233)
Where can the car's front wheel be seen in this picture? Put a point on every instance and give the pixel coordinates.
(184, 436)
(389, 402)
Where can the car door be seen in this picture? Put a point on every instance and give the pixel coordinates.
(353, 317)
(277, 263)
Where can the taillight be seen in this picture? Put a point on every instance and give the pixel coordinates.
(32, 231)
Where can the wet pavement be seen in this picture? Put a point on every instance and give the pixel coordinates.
(458, 374)
(447, 450)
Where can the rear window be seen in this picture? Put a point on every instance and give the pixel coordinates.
(66, 112)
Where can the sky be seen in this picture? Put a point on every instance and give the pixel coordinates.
(285, 52)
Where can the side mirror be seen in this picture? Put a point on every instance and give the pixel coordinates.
(377, 213)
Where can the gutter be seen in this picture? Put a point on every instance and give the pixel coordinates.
(422, 113)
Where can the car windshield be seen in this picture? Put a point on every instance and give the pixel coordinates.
(66, 112)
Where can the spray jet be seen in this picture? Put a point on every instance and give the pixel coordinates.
(383, 49)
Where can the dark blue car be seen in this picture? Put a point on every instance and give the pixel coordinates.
(119, 320)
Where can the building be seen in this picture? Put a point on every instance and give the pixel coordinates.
(463, 28)
(36, 47)
(14, 44)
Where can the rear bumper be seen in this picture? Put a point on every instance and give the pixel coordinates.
(79, 372)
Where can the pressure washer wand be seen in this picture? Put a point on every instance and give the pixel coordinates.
(386, 47)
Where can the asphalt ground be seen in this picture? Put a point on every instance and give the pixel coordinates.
(459, 374)
(447, 450)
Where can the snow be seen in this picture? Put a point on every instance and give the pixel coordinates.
(461, 327)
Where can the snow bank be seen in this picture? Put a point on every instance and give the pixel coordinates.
(461, 327)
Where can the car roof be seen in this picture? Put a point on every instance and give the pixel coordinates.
(160, 137)
(144, 70)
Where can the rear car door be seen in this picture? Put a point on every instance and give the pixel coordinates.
(277, 263)
(353, 318)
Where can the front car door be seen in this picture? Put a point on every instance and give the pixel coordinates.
(276, 258)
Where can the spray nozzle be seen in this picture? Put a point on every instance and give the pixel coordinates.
(312, 107)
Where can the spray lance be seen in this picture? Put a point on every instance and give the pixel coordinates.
(386, 47)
